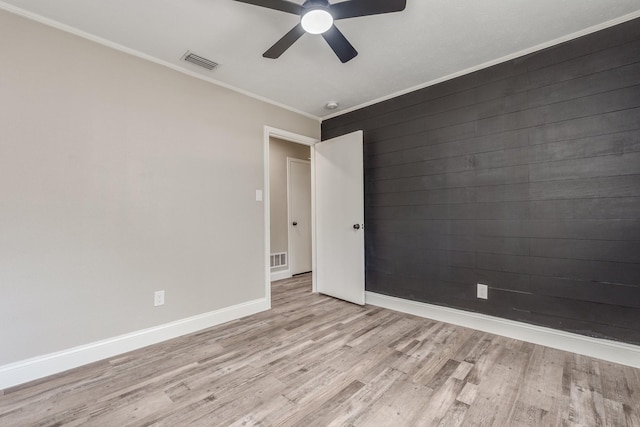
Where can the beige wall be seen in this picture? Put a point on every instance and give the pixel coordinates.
(119, 177)
(279, 150)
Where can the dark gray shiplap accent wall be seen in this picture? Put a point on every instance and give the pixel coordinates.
(524, 176)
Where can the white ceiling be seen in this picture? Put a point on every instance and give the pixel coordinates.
(430, 40)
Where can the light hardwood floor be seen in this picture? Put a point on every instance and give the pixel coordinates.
(317, 361)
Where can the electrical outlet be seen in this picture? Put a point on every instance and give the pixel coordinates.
(483, 291)
(158, 298)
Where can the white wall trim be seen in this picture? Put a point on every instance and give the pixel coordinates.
(279, 275)
(612, 351)
(88, 36)
(488, 64)
(289, 136)
(41, 366)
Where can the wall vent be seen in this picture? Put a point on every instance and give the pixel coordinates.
(199, 61)
(279, 260)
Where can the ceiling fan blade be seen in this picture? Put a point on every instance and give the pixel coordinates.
(340, 45)
(282, 5)
(354, 8)
(284, 43)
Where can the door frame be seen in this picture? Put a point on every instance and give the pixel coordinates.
(289, 220)
(268, 133)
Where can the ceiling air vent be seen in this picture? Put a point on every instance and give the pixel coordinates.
(200, 61)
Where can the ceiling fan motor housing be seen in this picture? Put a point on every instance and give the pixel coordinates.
(312, 4)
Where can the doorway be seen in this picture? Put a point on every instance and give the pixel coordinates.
(289, 208)
(337, 216)
(276, 205)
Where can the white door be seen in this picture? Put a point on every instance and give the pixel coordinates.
(299, 198)
(339, 208)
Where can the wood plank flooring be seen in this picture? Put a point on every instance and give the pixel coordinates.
(317, 361)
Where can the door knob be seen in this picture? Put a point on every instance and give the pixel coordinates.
(356, 226)
(295, 223)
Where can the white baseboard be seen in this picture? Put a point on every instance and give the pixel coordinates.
(53, 363)
(279, 275)
(612, 351)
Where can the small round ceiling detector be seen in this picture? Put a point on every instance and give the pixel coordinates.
(331, 105)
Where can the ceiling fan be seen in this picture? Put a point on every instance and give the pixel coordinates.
(317, 16)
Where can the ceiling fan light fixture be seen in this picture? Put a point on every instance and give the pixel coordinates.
(316, 20)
